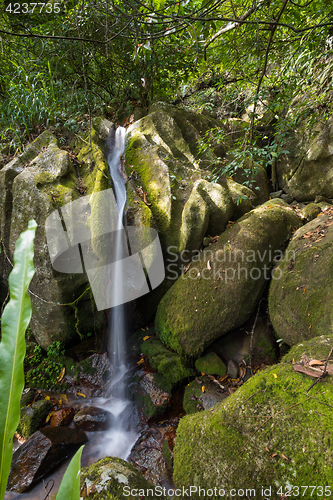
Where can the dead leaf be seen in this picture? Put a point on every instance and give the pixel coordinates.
(139, 362)
(274, 455)
(267, 449)
(315, 362)
(49, 417)
(307, 371)
(284, 456)
(81, 394)
(61, 375)
(203, 388)
(208, 265)
(146, 337)
(198, 380)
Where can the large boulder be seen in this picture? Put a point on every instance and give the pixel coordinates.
(224, 283)
(301, 300)
(269, 434)
(113, 478)
(307, 170)
(32, 186)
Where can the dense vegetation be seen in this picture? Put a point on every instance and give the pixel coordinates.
(62, 60)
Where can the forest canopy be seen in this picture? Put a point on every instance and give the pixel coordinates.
(60, 59)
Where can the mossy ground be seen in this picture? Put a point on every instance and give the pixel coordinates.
(270, 432)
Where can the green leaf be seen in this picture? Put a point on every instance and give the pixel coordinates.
(14, 322)
(70, 484)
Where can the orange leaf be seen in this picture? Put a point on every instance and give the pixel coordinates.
(284, 456)
(315, 362)
(146, 337)
(81, 394)
(203, 388)
(139, 362)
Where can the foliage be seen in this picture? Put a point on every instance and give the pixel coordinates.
(70, 485)
(45, 369)
(14, 321)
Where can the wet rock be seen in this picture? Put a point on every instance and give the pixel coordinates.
(232, 369)
(112, 478)
(42, 452)
(62, 417)
(33, 417)
(27, 397)
(147, 456)
(93, 419)
(90, 377)
(153, 393)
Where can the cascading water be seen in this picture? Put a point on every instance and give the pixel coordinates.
(121, 436)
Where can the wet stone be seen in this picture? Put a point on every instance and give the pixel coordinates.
(42, 452)
(93, 419)
(33, 417)
(62, 417)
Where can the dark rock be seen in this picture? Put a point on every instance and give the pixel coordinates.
(276, 194)
(93, 419)
(62, 417)
(33, 417)
(42, 452)
(232, 369)
(90, 377)
(287, 198)
(153, 393)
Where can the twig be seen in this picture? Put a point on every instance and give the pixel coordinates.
(252, 333)
(323, 374)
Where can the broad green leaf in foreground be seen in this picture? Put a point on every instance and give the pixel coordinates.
(70, 484)
(14, 322)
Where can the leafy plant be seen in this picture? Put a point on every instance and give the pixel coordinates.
(14, 321)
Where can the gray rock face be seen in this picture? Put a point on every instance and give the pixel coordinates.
(42, 452)
(307, 170)
(32, 186)
(92, 419)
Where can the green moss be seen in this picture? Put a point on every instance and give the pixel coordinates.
(113, 478)
(315, 348)
(219, 293)
(166, 362)
(192, 393)
(32, 417)
(211, 364)
(167, 454)
(270, 432)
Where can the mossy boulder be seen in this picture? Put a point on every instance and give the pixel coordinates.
(33, 417)
(225, 282)
(152, 393)
(211, 364)
(166, 362)
(300, 301)
(32, 186)
(257, 176)
(208, 209)
(270, 432)
(311, 211)
(307, 170)
(243, 197)
(114, 479)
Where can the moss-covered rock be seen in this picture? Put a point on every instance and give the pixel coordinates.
(114, 479)
(311, 211)
(316, 348)
(300, 301)
(244, 198)
(307, 170)
(224, 283)
(166, 362)
(211, 364)
(153, 393)
(269, 433)
(208, 209)
(33, 417)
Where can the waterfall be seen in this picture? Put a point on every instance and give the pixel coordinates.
(117, 326)
(119, 439)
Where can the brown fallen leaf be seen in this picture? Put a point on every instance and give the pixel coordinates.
(208, 265)
(307, 371)
(284, 456)
(61, 375)
(267, 449)
(315, 362)
(274, 455)
(198, 380)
